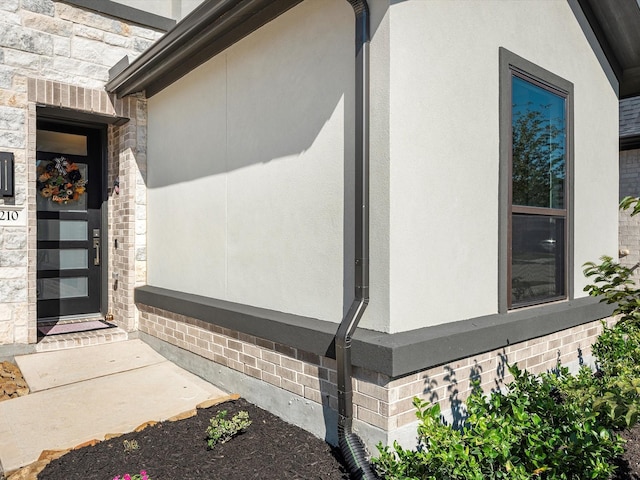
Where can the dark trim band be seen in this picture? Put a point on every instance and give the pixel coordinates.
(394, 355)
(76, 116)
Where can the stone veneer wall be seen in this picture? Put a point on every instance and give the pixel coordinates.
(629, 227)
(58, 55)
(379, 401)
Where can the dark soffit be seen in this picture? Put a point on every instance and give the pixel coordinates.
(616, 24)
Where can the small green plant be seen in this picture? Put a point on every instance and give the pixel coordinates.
(138, 476)
(222, 430)
(130, 445)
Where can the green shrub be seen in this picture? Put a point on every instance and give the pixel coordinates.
(529, 431)
(222, 430)
(614, 392)
(614, 399)
(614, 284)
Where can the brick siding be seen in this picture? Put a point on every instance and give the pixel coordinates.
(629, 227)
(379, 400)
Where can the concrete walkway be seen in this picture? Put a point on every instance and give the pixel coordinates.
(84, 393)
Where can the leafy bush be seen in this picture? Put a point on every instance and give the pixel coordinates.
(614, 284)
(614, 391)
(222, 430)
(618, 350)
(529, 431)
(614, 399)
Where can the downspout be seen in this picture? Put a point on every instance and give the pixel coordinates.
(350, 444)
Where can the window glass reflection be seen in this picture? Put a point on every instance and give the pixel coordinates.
(538, 146)
(58, 142)
(67, 259)
(537, 263)
(58, 288)
(62, 230)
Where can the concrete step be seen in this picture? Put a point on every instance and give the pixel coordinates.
(81, 339)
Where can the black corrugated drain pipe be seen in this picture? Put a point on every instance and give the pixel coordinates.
(351, 446)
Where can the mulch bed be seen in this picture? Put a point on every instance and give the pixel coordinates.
(269, 449)
(629, 464)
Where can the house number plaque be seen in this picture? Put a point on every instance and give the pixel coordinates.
(12, 216)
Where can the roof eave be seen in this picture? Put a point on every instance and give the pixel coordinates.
(217, 24)
(211, 28)
(615, 24)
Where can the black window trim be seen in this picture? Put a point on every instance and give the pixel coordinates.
(511, 64)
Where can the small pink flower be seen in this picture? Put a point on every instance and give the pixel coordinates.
(117, 477)
(126, 477)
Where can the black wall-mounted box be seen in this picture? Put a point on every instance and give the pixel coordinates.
(6, 174)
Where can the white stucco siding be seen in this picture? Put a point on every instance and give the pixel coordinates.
(186, 213)
(596, 178)
(444, 144)
(247, 165)
(376, 316)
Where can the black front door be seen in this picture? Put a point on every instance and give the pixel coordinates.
(69, 197)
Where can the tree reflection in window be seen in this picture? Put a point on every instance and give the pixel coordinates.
(538, 143)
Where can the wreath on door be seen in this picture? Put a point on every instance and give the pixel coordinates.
(60, 180)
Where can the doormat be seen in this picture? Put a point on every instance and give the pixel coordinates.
(74, 327)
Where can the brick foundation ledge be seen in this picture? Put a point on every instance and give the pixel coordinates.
(394, 355)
